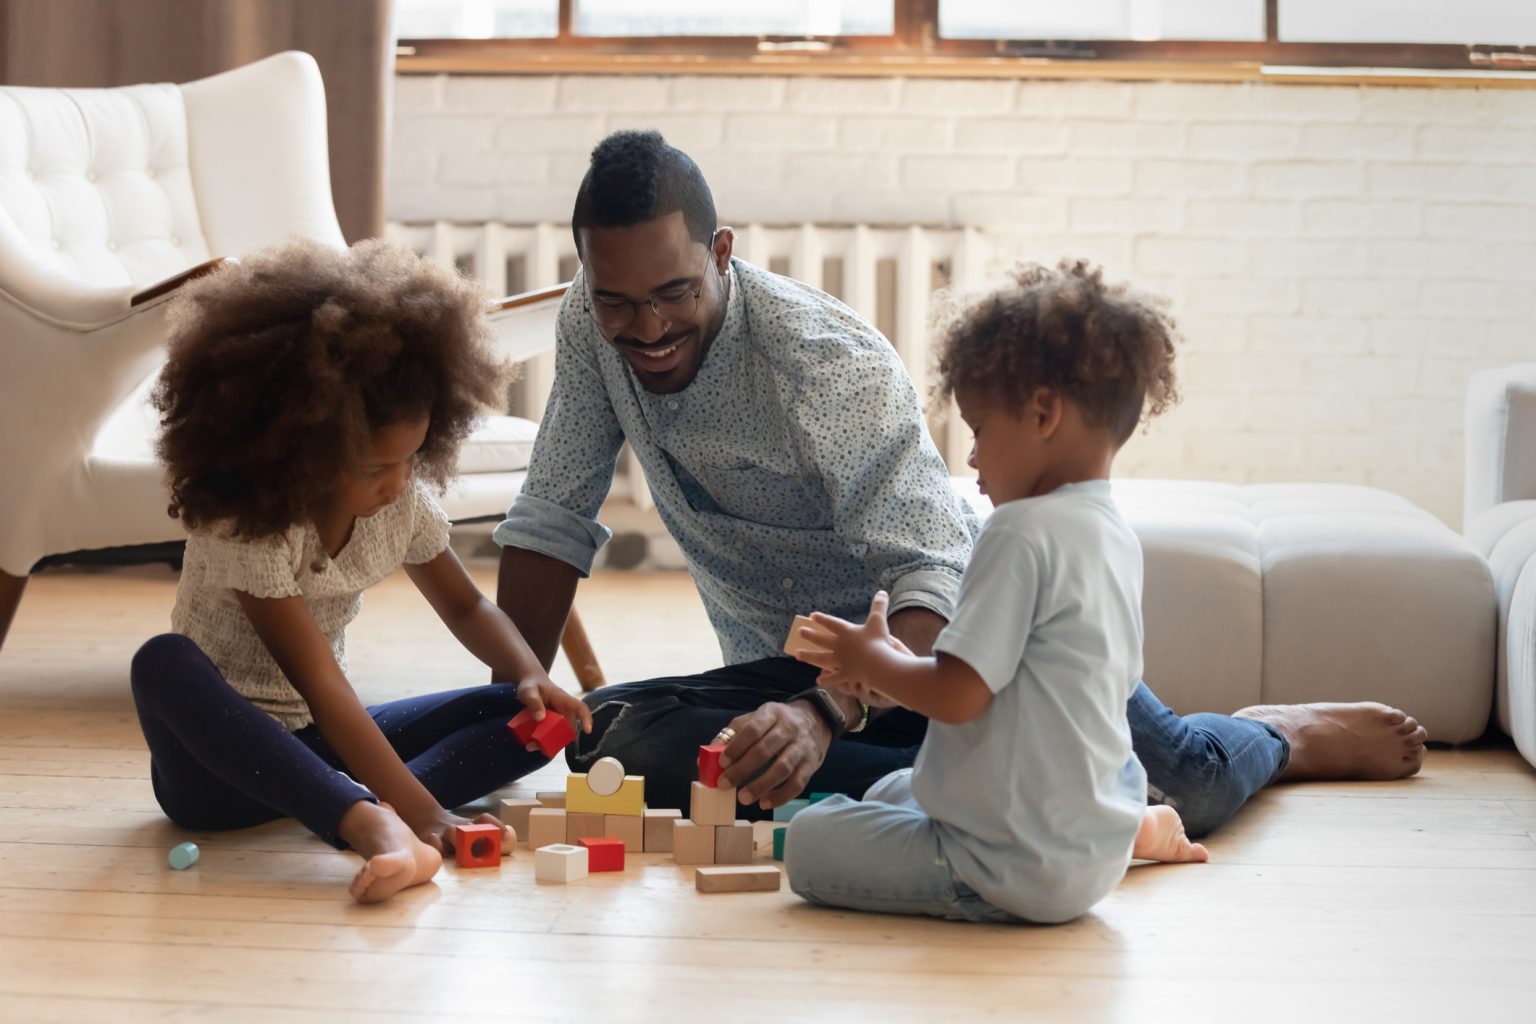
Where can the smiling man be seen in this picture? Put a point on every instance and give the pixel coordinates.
(786, 449)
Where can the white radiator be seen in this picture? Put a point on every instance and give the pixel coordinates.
(888, 274)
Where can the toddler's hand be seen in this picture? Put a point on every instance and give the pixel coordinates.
(844, 651)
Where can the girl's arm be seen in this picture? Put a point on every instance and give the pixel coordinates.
(286, 627)
(859, 658)
(488, 634)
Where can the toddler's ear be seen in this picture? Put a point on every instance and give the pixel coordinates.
(1046, 407)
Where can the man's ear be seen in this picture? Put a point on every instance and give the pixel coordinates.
(1046, 407)
(724, 243)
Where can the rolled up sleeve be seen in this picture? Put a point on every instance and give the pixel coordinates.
(574, 456)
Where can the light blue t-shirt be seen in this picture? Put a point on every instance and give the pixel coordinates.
(1040, 796)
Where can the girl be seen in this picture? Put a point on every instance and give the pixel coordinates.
(310, 399)
(1026, 802)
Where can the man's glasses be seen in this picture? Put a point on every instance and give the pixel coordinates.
(614, 314)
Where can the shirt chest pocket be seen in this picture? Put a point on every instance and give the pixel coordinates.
(744, 490)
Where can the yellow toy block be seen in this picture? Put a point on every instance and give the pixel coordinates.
(629, 800)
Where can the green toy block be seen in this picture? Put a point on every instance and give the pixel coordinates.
(778, 841)
(182, 856)
(817, 798)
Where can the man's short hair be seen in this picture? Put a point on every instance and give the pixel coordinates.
(636, 177)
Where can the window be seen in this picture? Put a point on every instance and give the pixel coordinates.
(1231, 39)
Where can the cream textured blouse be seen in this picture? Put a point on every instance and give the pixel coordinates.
(411, 530)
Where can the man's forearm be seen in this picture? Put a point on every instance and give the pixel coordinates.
(918, 628)
(536, 592)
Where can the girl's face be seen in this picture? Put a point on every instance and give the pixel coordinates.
(385, 471)
(1009, 451)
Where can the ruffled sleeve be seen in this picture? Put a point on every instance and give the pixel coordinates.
(267, 567)
(429, 527)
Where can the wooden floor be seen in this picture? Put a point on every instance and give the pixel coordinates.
(1392, 902)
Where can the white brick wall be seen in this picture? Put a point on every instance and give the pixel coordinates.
(1340, 258)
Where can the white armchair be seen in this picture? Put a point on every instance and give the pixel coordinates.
(1500, 521)
(109, 200)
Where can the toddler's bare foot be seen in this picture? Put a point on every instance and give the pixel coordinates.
(1161, 838)
(1345, 741)
(393, 858)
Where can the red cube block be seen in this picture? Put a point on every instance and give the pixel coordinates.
(477, 846)
(709, 763)
(552, 734)
(603, 854)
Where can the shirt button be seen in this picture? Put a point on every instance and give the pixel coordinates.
(672, 404)
(787, 583)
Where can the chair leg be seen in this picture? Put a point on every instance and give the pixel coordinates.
(10, 596)
(579, 650)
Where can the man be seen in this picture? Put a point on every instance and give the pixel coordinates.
(788, 456)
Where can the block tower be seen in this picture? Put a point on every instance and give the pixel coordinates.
(711, 834)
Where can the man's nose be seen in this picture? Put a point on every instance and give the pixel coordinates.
(647, 327)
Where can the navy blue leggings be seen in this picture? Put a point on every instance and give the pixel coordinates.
(217, 762)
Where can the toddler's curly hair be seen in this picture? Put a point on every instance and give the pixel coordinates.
(1107, 347)
(282, 366)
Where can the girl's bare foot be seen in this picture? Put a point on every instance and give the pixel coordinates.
(393, 858)
(1345, 741)
(1161, 838)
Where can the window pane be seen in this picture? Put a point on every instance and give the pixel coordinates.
(739, 18)
(477, 19)
(1102, 19)
(1510, 22)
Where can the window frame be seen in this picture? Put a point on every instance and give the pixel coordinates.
(915, 49)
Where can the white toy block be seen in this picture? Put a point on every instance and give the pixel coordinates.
(560, 862)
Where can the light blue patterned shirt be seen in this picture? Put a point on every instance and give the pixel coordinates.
(795, 471)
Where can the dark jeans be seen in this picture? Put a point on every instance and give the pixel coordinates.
(217, 762)
(1206, 766)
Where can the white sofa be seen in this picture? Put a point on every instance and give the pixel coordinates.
(1500, 521)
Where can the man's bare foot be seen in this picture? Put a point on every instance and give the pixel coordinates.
(1161, 838)
(1345, 741)
(393, 858)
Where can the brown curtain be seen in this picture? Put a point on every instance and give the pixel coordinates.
(124, 42)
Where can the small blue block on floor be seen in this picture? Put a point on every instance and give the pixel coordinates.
(183, 856)
(778, 841)
(790, 809)
(817, 798)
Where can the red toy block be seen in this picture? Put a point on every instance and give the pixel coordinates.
(709, 763)
(552, 734)
(477, 846)
(603, 854)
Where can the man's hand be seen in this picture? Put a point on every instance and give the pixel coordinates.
(791, 740)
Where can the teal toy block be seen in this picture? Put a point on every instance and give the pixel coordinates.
(779, 835)
(817, 798)
(183, 856)
(789, 810)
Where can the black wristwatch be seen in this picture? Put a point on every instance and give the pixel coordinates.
(826, 707)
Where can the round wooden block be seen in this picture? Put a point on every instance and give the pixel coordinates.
(605, 776)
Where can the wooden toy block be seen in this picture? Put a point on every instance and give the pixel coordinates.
(578, 824)
(551, 734)
(508, 840)
(603, 854)
(692, 843)
(515, 813)
(628, 799)
(789, 810)
(550, 799)
(623, 827)
(546, 827)
(709, 763)
(764, 878)
(779, 835)
(560, 862)
(795, 643)
(733, 843)
(605, 776)
(658, 829)
(710, 806)
(477, 846)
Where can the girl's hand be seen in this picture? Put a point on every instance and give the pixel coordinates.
(437, 830)
(540, 695)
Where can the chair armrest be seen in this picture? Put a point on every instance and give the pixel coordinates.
(1500, 439)
(524, 324)
(170, 284)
